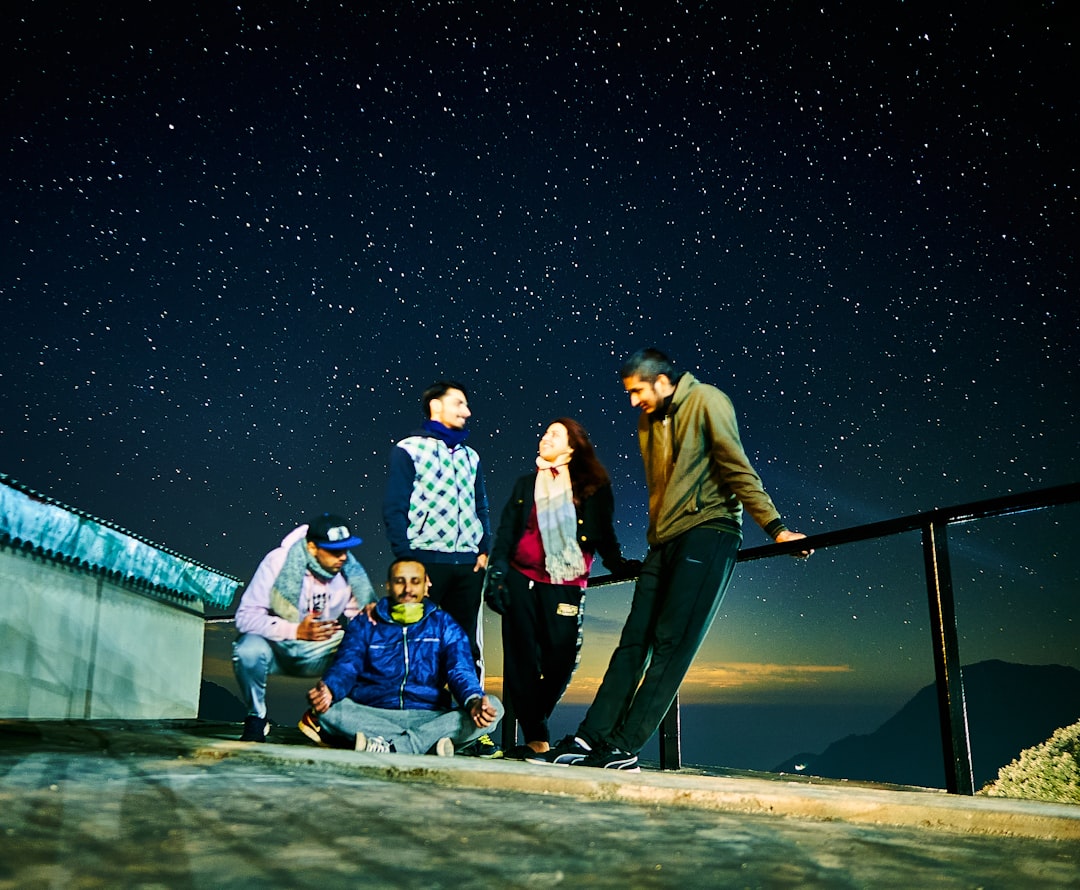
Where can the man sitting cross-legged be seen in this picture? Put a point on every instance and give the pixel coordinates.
(391, 682)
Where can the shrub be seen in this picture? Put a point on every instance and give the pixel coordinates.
(1050, 771)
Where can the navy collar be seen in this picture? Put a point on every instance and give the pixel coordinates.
(453, 438)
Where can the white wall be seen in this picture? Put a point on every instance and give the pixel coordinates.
(75, 645)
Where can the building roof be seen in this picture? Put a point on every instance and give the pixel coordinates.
(36, 521)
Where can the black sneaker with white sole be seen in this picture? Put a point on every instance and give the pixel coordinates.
(611, 758)
(567, 752)
(485, 747)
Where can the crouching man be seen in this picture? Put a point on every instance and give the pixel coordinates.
(395, 678)
(289, 618)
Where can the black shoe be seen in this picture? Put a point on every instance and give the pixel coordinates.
(519, 752)
(484, 747)
(256, 729)
(611, 758)
(568, 751)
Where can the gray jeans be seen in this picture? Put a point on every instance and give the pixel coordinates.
(409, 731)
(255, 658)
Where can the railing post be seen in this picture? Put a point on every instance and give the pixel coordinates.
(671, 738)
(952, 709)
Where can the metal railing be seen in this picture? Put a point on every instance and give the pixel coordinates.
(952, 710)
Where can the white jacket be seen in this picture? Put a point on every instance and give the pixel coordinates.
(341, 595)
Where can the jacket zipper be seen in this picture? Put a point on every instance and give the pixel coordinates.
(405, 677)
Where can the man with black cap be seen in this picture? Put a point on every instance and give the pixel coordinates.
(289, 617)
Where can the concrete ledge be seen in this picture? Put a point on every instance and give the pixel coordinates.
(757, 794)
(176, 803)
(788, 798)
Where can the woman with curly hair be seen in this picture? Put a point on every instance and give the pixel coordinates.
(557, 519)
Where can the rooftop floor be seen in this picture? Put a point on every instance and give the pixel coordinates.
(181, 804)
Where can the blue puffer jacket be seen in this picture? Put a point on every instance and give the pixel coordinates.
(404, 666)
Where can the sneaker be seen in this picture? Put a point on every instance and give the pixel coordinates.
(484, 747)
(611, 758)
(568, 751)
(520, 752)
(444, 747)
(310, 726)
(375, 744)
(256, 729)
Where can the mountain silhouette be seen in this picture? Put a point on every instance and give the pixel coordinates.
(1010, 707)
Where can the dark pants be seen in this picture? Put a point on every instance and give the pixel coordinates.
(541, 641)
(675, 601)
(457, 589)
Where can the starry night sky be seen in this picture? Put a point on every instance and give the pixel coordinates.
(239, 240)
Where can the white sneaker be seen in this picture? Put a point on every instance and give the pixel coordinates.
(375, 744)
(444, 747)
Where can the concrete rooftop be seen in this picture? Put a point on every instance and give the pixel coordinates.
(181, 804)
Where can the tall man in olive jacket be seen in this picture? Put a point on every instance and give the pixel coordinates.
(699, 481)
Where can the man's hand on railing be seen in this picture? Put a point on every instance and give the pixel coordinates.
(787, 535)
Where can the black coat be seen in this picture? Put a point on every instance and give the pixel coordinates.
(596, 533)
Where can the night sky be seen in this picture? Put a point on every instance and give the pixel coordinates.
(239, 240)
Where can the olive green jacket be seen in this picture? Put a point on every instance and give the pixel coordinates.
(695, 465)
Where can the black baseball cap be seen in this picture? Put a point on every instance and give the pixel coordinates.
(331, 532)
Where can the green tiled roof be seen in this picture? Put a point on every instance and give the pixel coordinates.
(36, 520)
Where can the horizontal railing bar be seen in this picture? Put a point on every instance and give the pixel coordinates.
(1000, 506)
(992, 507)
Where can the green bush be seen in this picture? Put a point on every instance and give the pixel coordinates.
(1050, 771)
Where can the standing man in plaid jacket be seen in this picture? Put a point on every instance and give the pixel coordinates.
(436, 509)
